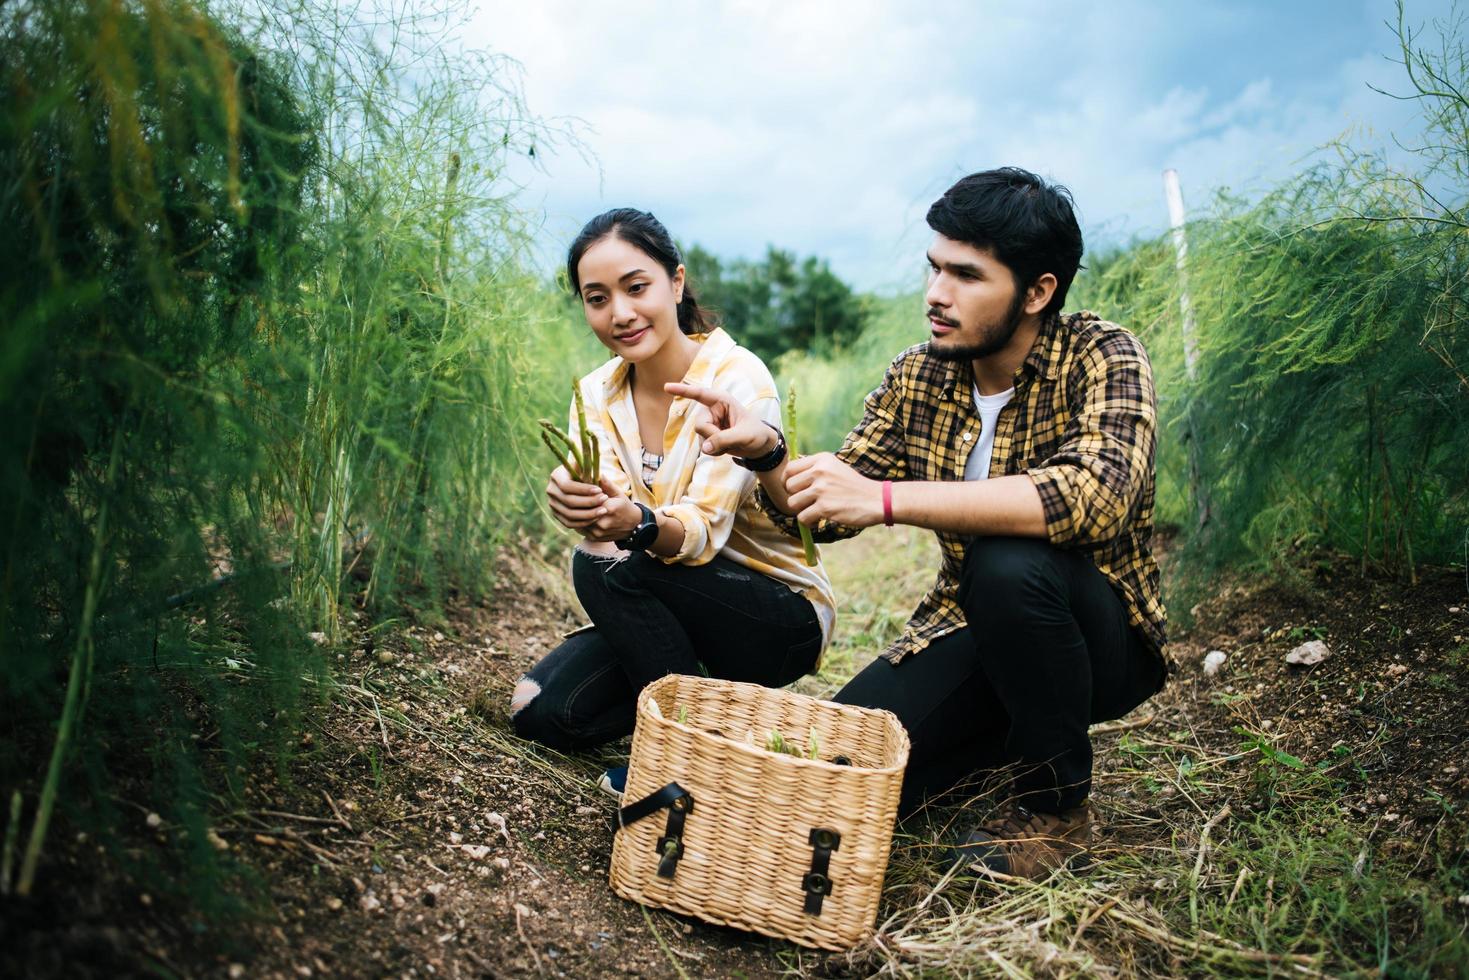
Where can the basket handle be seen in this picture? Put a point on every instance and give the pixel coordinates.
(817, 882)
(680, 804)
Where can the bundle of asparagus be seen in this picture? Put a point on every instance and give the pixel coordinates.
(774, 741)
(582, 459)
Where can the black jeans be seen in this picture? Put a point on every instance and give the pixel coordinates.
(1047, 652)
(653, 619)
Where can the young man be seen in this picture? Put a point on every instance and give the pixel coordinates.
(1025, 439)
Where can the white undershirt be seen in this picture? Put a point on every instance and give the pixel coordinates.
(977, 467)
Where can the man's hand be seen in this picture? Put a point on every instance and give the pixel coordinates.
(598, 510)
(728, 428)
(822, 486)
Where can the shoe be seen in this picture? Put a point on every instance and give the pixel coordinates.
(614, 781)
(1023, 844)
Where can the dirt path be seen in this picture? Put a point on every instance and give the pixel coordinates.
(413, 836)
(481, 856)
(1384, 710)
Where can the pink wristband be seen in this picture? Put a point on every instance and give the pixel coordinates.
(887, 503)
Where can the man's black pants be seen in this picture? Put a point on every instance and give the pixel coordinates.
(1047, 652)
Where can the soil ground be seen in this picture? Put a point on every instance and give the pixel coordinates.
(413, 836)
(1388, 704)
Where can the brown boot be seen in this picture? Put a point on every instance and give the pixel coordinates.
(1024, 844)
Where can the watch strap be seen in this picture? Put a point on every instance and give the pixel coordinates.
(772, 459)
(642, 536)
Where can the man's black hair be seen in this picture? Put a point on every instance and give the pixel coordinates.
(1029, 225)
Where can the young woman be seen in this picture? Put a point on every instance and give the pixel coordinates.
(678, 569)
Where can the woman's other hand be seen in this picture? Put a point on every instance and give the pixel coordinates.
(599, 510)
(727, 428)
(616, 518)
(574, 505)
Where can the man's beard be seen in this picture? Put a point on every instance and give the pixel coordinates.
(992, 342)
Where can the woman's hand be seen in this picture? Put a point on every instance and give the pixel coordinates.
(598, 510)
(575, 505)
(616, 518)
(728, 428)
(822, 486)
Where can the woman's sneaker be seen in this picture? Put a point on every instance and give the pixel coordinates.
(613, 781)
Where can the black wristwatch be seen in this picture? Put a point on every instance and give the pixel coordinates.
(642, 536)
(772, 459)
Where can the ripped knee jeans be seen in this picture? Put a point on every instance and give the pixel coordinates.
(651, 618)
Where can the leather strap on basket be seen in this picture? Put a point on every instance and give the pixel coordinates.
(670, 846)
(817, 882)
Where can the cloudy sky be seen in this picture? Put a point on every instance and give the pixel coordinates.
(828, 127)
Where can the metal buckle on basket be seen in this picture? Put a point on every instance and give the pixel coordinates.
(817, 882)
(670, 846)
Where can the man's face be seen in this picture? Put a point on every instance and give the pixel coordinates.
(974, 307)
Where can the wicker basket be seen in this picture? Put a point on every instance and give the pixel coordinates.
(735, 834)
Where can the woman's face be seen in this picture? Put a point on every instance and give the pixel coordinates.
(630, 303)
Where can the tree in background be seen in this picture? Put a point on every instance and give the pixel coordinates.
(779, 303)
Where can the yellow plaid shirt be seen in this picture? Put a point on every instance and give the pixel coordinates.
(1082, 424)
(709, 495)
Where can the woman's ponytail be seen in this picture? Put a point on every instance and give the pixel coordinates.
(693, 318)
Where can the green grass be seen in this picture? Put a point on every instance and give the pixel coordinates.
(271, 341)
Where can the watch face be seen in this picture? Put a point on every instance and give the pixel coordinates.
(646, 534)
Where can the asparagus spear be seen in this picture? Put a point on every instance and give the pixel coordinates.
(568, 455)
(591, 451)
(582, 459)
(806, 542)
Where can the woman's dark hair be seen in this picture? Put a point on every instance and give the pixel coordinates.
(646, 234)
(1029, 224)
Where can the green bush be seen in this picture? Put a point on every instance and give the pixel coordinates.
(1328, 408)
(779, 303)
(266, 322)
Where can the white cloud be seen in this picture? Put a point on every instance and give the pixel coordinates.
(828, 127)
